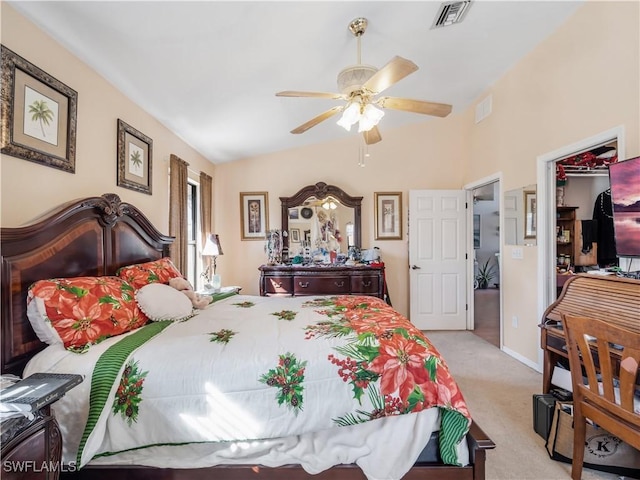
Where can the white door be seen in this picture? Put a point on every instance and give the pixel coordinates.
(437, 259)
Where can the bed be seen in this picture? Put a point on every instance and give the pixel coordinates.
(96, 237)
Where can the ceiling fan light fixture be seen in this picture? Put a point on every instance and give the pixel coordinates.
(350, 116)
(329, 204)
(370, 117)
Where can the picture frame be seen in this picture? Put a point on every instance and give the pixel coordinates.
(39, 114)
(476, 231)
(388, 215)
(530, 220)
(294, 214)
(135, 158)
(254, 215)
(295, 235)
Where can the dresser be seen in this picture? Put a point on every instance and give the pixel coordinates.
(295, 280)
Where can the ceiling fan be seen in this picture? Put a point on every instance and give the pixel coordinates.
(359, 86)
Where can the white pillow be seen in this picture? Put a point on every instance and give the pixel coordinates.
(162, 302)
(37, 314)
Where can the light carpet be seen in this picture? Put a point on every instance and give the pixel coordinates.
(498, 390)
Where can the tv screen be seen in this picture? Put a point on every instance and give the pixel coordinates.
(624, 178)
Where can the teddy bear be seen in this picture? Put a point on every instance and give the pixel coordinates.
(183, 285)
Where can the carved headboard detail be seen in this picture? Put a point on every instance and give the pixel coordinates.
(86, 237)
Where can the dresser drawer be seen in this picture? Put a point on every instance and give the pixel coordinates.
(276, 284)
(325, 285)
(367, 284)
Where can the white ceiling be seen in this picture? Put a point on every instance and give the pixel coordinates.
(209, 70)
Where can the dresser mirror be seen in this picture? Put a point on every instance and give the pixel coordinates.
(323, 217)
(520, 216)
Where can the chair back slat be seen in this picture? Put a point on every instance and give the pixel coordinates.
(628, 373)
(606, 373)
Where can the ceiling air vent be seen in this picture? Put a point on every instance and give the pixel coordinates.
(450, 13)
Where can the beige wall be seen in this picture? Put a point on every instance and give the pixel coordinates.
(413, 157)
(28, 189)
(581, 81)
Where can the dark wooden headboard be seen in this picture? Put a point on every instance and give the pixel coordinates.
(86, 237)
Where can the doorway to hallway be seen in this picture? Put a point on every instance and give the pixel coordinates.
(486, 256)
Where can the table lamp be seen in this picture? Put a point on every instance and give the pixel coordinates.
(211, 250)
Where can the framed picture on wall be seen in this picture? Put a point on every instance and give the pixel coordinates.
(388, 215)
(529, 214)
(39, 114)
(295, 235)
(134, 159)
(254, 213)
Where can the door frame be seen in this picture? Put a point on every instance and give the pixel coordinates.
(469, 187)
(546, 200)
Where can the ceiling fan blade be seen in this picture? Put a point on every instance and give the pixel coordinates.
(293, 93)
(372, 136)
(395, 70)
(415, 106)
(316, 120)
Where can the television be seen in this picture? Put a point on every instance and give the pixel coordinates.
(624, 179)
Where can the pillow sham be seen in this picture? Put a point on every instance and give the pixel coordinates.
(81, 311)
(162, 302)
(141, 274)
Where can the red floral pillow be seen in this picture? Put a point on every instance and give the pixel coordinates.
(141, 274)
(82, 311)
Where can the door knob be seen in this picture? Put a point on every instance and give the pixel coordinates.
(415, 267)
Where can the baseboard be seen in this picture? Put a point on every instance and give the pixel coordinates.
(521, 359)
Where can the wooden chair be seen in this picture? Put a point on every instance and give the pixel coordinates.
(608, 407)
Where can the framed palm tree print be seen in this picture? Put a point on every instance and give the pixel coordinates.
(134, 158)
(39, 114)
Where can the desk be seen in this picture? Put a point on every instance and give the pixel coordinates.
(610, 298)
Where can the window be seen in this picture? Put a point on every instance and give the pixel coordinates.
(193, 232)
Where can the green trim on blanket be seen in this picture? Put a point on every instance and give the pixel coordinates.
(216, 297)
(107, 370)
(453, 427)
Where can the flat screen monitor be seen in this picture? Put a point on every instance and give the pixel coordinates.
(624, 178)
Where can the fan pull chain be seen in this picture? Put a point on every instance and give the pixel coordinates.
(363, 155)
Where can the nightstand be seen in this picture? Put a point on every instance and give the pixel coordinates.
(31, 449)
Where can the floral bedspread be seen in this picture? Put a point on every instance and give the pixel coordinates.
(257, 368)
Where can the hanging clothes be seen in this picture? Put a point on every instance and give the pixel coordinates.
(606, 239)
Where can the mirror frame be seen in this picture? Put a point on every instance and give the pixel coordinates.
(321, 191)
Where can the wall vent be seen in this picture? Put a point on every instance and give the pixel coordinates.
(450, 13)
(484, 108)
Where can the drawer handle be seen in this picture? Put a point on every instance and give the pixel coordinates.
(303, 285)
(366, 284)
(340, 284)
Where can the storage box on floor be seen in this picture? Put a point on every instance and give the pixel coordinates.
(602, 450)
(543, 404)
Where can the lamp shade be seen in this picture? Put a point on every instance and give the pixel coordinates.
(369, 118)
(366, 116)
(212, 247)
(350, 116)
